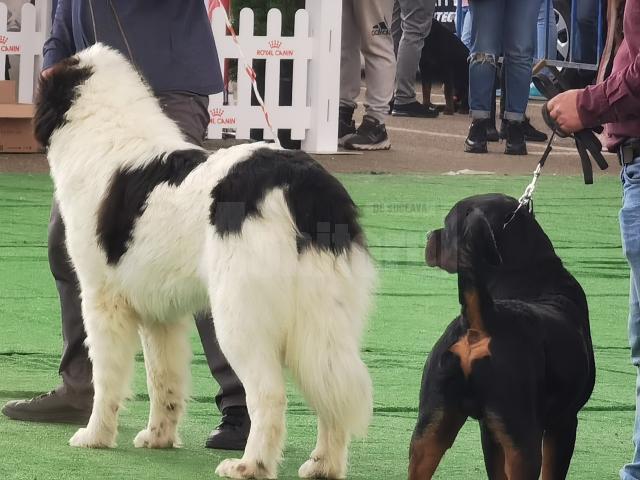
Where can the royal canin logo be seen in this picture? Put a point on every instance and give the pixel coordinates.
(6, 47)
(275, 50)
(217, 117)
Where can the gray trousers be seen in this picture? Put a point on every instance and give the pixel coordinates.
(189, 111)
(411, 25)
(366, 28)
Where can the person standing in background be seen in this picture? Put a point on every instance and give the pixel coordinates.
(505, 27)
(172, 45)
(365, 30)
(413, 19)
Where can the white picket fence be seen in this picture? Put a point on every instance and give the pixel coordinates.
(27, 44)
(314, 49)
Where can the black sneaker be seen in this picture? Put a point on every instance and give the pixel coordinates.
(58, 406)
(492, 132)
(233, 431)
(346, 125)
(476, 141)
(414, 109)
(531, 134)
(370, 135)
(514, 134)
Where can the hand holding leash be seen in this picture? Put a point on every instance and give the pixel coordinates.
(588, 146)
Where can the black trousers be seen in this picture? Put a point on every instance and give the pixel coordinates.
(190, 112)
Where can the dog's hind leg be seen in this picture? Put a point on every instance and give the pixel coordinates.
(112, 338)
(167, 354)
(337, 386)
(558, 444)
(246, 337)
(493, 454)
(431, 440)
(323, 354)
(521, 441)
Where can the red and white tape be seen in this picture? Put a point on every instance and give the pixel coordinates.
(246, 66)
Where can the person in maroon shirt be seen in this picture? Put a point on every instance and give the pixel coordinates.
(615, 103)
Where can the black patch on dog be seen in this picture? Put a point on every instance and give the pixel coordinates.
(323, 211)
(56, 94)
(126, 198)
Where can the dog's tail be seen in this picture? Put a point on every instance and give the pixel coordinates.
(477, 251)
(323, 352)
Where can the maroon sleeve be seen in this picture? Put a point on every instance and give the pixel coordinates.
(617, 99)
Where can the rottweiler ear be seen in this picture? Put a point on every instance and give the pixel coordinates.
(57, 91)
(480, 239)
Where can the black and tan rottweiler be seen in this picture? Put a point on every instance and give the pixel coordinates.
(519, 358)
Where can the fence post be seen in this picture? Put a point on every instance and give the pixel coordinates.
(323, 92)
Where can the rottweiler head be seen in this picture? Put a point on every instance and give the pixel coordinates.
(475, 235)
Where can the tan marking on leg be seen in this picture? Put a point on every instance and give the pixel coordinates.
(427, 450)
(515, 461)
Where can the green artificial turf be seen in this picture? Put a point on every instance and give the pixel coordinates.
(413, 305)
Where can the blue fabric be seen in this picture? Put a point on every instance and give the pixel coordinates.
(508, 27)
(171, 41)
(586, 38)
(630, 230)
(547, 29)
(465, 36)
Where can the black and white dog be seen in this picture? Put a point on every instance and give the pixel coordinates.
(158, 229)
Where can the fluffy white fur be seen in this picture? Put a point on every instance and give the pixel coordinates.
(272, 306)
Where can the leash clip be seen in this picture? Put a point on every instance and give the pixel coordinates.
(527, 196)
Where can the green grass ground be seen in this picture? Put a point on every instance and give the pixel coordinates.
(414, 303)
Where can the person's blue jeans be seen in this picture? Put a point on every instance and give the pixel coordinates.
(586, 40)
(630, 230)
(465, 36)
(547, 29)
(507, 27)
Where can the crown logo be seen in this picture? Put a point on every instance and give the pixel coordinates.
(275, 44)
(3, 39)
(217, 112)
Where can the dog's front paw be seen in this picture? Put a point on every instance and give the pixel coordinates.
(317, 467)
(155, 437)
(86, 438)
(239, 468)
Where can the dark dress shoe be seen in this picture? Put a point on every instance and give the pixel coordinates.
(233, 431)
(58, 406)
(476, 141)
(414, 109)
(515, 141)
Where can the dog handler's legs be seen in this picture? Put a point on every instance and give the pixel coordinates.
(431, 441)
(71, 402)
(167, 355)
(112, 337)
(630, 228)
